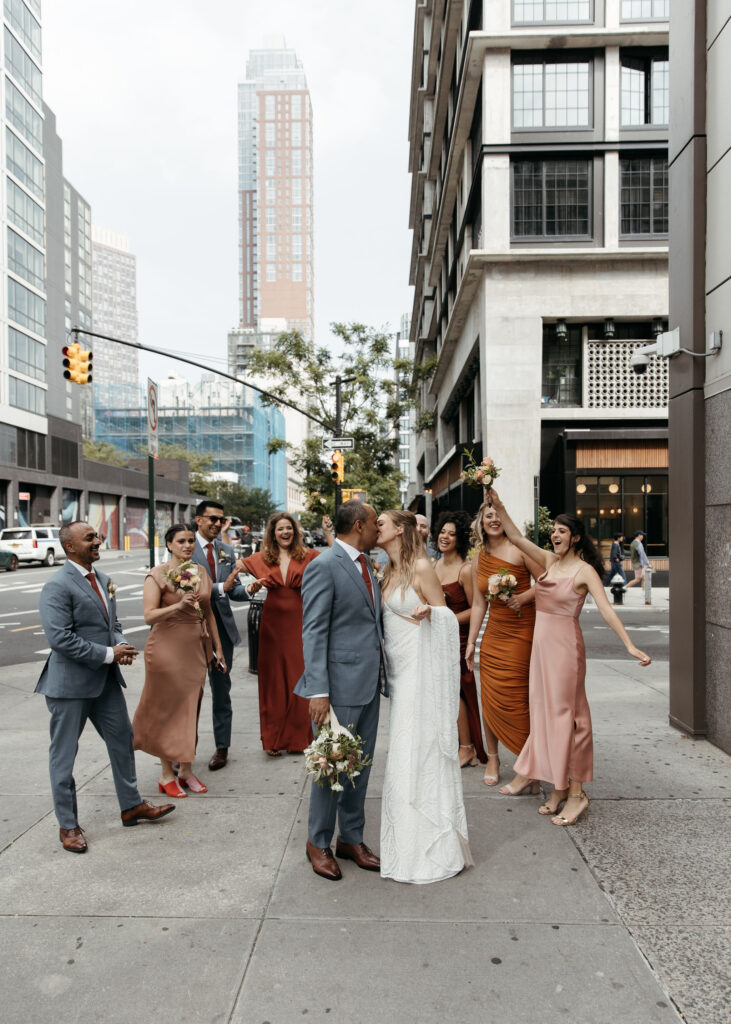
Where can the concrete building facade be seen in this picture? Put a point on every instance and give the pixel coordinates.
(538, 150)
(114, 276)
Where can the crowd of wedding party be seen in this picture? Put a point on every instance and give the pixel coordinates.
(340, 630)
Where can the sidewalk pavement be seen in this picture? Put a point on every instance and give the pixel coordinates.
(214, 915)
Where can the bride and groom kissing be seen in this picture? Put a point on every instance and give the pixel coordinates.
(361, 641)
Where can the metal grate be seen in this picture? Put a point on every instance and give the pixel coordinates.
(611, 382)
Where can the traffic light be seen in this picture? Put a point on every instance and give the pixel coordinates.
(337, 473)
(77, 364)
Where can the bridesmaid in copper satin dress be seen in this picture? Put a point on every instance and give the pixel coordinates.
(178, 651)
(506, 645)
(283, 716)
(455, 576)
(559, 748)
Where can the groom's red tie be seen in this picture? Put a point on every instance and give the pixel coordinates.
(366, 575)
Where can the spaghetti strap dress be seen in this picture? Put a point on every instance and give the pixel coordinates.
(456, 598)
(560, 746)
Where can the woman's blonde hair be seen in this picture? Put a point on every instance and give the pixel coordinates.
(269, 546)
(478, 530)
(412, 547)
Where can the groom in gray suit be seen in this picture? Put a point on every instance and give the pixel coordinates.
(81, 680)
(342, 640)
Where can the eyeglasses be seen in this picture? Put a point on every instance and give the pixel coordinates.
(215, 519)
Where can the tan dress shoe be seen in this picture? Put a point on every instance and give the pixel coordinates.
(72, 839)
(146, 812)
(360, 853)
(323, 863)
(219, 759)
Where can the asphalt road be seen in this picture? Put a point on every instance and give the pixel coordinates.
(22, 638)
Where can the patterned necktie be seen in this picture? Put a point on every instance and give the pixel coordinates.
(366, 575)
(91, 577)
(211, 563)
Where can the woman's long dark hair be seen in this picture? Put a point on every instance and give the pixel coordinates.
(462, 527)
(584, 547)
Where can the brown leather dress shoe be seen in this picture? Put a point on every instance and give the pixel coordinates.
(72, 839)
(219, 759)
(360, 853)
(145, 812)
(323, 863)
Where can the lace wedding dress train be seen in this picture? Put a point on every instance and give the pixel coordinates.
(423, 822)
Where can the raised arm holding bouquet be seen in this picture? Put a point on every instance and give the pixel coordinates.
(559, 748)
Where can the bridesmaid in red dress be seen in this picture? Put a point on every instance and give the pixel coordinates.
(455, 576)
(284, 717)
(560, 748)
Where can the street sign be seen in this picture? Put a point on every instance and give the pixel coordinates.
(344, 444)
(152, 417)
(23, 495)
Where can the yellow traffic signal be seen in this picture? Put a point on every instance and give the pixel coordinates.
(337, 473)
(77, 364)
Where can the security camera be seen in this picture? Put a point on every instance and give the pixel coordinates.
(640, 360)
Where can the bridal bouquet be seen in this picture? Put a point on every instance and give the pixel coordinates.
(501, 586)
(186, 577)
(316, 503)
(483, 475)
(335, 752)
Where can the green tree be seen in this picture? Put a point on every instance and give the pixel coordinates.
(252, 505)
(376, 392)
(545, 528)
(199, 465)
(102, 451)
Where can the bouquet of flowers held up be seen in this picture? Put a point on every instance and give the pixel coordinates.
(186, 577)
(483, 475)
(501, 586)
(315, 502)
(334, 752)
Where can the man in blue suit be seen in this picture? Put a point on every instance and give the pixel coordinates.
(219, 561)
(342, 640)
(81, 680)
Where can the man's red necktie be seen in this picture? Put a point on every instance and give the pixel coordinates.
(91, 577)
(211, 562)
(366, 575)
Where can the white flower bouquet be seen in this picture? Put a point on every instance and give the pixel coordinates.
(501, 586)
(186, 577)
(335, 752)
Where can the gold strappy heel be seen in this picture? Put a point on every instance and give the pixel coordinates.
(561, 820)
(492, 780)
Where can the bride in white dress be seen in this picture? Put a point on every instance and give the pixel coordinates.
(423, 823)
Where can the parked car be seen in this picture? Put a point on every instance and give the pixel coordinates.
(33, 543)
(8, 560)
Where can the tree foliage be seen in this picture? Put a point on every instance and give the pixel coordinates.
(252, 505)
(376, 391)
(545, 528)
(103, 451)
(199, 465)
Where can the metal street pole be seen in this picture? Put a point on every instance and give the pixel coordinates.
(338, 433)
(151, 508)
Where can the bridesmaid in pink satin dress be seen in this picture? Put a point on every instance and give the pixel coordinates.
(560, 748)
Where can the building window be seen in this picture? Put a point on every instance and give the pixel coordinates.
(269, 107)
(23, 395)
(297, 106)
(645, 10)
(271, 253)
(645, 90)
(25, 26)
(31, 445)
(551, 198)
(625, 504)
(296, 161)
(26, 261)
(542, 12)
(552, 95)
(296, 133)
(269, 161)
(25, 213)
(296, 191)
(26, 355)
(644, 196)
(22, 68)
(271, 192)
(26, 167)
(271, 272)
(297, 246)
(23, 116)
(296, 218)
(270, 133)
(271, 218)
(296, 271)
(561, 378)
(26, 308)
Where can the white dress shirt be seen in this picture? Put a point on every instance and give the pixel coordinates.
(200, 539)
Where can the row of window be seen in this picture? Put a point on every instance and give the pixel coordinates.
(20, 447)
(296, 191)
(274, 217)
(556, 12)
(23, 395)
(25, 25)
(23, 116)
(289, 104)
(26, 261)
(295, 161)
(271, 273)
(22, 68)
(26, 308)
(555, 93)
(25, 213)
(292, 132)
(26, 167)
(553, 198)
(26, 355)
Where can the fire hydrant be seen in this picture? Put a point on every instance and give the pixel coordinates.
(617, 586)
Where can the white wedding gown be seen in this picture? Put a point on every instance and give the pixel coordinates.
(423, 822)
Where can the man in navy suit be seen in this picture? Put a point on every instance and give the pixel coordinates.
(219, 561)
(81, 680)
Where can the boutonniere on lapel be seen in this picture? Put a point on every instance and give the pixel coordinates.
(378, 572)
(111, 589)
(223, 557)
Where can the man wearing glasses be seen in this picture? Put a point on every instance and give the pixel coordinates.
(220, 562)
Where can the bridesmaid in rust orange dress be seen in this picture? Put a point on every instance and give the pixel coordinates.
(182, 642)
(283, 716)
(506, 645)
(455, 576)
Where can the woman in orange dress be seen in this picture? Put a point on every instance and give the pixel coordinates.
(284, 717)
(455, 576)
(506, 645)
(560, 747)
(182, 642)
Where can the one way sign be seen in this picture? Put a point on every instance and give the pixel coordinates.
(343, 444)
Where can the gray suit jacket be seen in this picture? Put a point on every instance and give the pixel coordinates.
(78, 632)
(342, 635)
(225, 563)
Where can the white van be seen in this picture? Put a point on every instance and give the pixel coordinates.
(33, 543)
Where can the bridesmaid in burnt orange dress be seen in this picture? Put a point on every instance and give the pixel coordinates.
(455, 576)
(283, 716)
(182, 642)
(506, 645)
(560, 748)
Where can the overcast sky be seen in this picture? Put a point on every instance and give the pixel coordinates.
(144, 92)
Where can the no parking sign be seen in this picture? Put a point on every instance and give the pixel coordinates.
(152, 417)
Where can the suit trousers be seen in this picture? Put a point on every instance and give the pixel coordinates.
(108, 714)
(220, 683)
(347, 807)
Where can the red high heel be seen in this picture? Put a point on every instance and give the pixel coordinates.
(171, 788)
(193, 784)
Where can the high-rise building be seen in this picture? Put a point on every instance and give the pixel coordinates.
(114, 270)
(276, 251)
